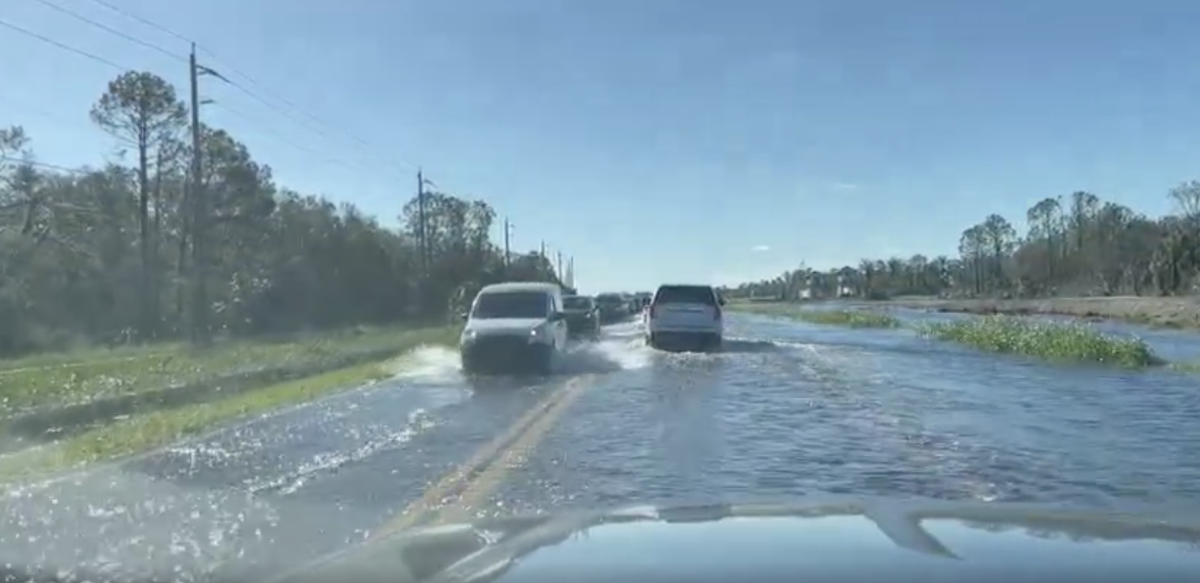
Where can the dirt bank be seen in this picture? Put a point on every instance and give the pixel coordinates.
(1162, 312)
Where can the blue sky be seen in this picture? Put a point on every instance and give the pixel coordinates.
(667, 140)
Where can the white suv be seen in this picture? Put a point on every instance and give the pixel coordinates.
(685, 315)
(514, 324)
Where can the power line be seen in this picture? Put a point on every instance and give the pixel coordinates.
(253, 95)
(123, 68)
(144, 21)
(24, 162)
(111, 30)
(62, 46)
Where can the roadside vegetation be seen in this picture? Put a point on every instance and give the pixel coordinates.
(847, 318)
(1077, 254)
(1057, 341)
(143, 303)
(158, 428)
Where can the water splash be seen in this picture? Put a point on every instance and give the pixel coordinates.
(433, 365)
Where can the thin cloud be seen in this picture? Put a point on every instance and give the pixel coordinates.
(760, 248)
(845, 186)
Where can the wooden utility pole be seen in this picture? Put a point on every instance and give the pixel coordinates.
(507, 234)
(200, 332)
(422, 244)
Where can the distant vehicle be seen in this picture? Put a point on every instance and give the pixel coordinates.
(583, 317)
(683, 316)
(521, 324)
(612, 307)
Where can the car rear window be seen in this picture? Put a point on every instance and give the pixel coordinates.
(685, 294)
(608, 299)
(517, 304)
(577, 303)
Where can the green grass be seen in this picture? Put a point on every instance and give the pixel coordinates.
(1055, 341)
(148, 431)
(60, 383)
(87, 356)
(846, 318)
(1058, 341)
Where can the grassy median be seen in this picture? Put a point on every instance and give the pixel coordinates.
(155, 427)
(150, 430)
(57, 383)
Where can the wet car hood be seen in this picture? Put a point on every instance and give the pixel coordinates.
(490, 326)
(830, 540)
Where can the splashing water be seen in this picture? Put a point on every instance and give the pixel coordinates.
(430, 365)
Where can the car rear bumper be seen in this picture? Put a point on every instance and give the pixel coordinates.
(577, 326)
(685, 338)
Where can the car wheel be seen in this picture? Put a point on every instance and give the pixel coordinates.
(467, 367)
(544, 361)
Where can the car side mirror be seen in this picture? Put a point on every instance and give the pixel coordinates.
(721, 301)
(465, 316)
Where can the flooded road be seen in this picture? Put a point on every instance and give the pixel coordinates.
(787, 409)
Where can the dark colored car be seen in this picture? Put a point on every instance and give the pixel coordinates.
(583, 317)
(834, 540)
(612, 308)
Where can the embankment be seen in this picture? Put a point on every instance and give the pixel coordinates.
(1172, 312)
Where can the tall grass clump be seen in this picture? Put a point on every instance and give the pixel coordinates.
(848, 318)
(1049, 340)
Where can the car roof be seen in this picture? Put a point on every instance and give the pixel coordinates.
(522, 286)
(703, 285)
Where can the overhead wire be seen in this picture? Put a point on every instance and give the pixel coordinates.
(261, 98)
(275, 107)
(62, 46)
(160, 49)
(111, 30)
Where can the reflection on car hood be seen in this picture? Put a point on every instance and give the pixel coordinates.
(503, 325)
(824, 541)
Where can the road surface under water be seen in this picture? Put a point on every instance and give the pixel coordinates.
(786, 409)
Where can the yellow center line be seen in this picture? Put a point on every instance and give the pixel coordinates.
(444, 489)
(513, 457)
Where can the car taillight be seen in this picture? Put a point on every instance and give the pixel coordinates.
(651, 308)
(716, 312)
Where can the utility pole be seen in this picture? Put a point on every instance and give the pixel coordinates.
(507, 234)
(421, 244)
(543, 248)
(423, 247)
(200, 332)
(559, 270)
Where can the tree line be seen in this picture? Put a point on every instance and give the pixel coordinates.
(195, 239)
(1077, 245)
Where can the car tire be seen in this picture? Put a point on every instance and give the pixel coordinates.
(468, 367)
(544, 361)
(713, 344)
